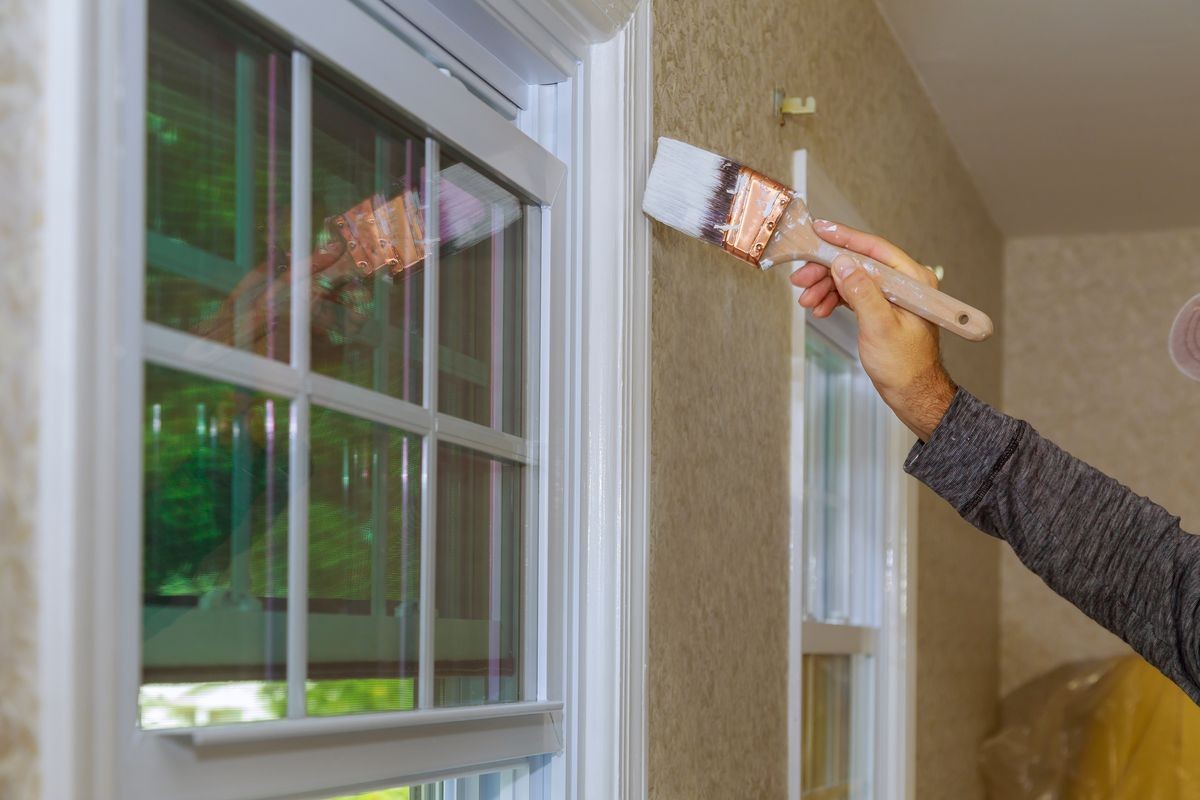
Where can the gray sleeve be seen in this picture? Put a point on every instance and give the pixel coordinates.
(1119, 557)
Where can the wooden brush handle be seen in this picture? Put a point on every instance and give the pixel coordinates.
(923, 300)
(795, 240)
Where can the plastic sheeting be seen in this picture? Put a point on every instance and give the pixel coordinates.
(1097, 730)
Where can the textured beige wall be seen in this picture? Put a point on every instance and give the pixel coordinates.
(1086, 362)
(718, 552)
(20, 225)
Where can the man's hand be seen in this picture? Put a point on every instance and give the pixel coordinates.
(898, 349)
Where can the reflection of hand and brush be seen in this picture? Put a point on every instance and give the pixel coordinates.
(378, 234)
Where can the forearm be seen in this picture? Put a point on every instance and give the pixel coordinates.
(1119, 557)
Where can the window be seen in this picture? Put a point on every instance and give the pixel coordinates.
(310, 527)
(218, 473)
(849, 652)
(339, 463)
(842, 533)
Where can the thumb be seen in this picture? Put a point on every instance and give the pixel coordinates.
(860, 292)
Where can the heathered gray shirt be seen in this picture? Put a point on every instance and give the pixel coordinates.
(1119, 557)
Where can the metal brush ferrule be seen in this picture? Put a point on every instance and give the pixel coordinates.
(758, 204)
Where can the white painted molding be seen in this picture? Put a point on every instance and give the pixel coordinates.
(597, 20)
(574, 23)
(640, 135)
(76, 530)
(609, 726)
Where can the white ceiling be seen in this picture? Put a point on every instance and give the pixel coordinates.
(1071, 115)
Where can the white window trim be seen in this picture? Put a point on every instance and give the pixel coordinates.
(895, 723)
(82, 365)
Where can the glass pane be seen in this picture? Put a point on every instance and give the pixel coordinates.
(815, 380)
(218, 162)
(480, 521)
(364, 529)
(510, 784)
(832, 765)
(368, 246)
(829, 376)
(868, 515)
(481, 320)
(214, 578)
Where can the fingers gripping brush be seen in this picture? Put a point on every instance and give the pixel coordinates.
(762, 222)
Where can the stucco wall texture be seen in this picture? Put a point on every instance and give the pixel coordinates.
(20, 240)
(718, 589)
(1086, 363)
(720, 360)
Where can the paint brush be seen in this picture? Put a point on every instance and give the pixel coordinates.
(764, 223)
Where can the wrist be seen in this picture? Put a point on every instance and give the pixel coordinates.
(923, 403)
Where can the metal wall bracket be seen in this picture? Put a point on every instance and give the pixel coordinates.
(782, 105)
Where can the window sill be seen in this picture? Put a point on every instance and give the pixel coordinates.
(313, 727)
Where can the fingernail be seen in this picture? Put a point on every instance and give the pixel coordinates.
(844, 266)
(824, 225)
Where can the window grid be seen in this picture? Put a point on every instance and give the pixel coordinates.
(296, 382)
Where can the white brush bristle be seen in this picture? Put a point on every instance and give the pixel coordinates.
(690, 189)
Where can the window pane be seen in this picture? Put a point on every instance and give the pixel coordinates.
(214, 552)
(835, 733)
(510, 784)
(829, 375)
(482, 300)
(368, 246)
(364, 527)
(218, 161)
(480, 520)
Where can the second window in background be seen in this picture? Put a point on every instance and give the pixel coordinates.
(844, 499)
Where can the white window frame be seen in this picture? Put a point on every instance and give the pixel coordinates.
(594, 434)
(891, 688)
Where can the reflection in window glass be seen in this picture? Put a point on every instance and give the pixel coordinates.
(481, 320)
(368, 269)
(511, 784)
(480, 515)
(214, 579)
(218, 161)
(827, 460)
(364, 529)
(829, 765)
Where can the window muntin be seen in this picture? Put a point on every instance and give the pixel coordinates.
(367, 425)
